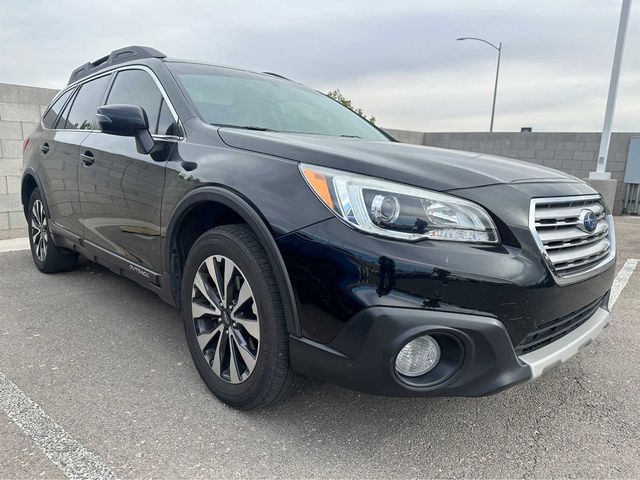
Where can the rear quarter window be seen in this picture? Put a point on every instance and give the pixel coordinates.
(49, 119)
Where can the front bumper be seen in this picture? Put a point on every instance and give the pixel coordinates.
(362, 356)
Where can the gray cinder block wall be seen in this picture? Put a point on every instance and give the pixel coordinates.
(573, 153)
(20, 110)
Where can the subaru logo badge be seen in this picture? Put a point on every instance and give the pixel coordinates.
(588, 220)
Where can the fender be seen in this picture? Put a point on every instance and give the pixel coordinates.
(259, 226)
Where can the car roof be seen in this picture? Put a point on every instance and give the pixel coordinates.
(126, 55)
(227, 67)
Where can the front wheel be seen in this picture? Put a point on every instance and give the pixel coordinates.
(234, 319)
(48, 257)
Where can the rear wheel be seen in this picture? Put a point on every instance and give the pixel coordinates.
(234, 319)
(48, 257)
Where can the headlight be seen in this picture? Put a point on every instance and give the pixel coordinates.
(399, 211)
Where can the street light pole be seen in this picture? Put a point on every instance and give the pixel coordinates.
(495, 88)
(601, 167)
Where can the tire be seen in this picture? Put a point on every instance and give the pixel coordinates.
(48, 257)
(238, 339)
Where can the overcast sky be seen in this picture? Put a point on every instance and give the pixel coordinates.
(398, 60)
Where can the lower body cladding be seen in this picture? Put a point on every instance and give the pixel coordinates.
(474, 355)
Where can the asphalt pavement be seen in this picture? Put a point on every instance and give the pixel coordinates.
(103, 364)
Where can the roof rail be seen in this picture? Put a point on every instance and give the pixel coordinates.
(277, 75)
(120, 55)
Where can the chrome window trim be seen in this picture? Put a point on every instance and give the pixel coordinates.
(595, 269)
(167, 138)
(163, 92)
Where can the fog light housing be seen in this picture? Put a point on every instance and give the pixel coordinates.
(418, 357)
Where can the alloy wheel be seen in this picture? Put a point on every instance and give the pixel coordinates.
(39, 230)
(225, 317)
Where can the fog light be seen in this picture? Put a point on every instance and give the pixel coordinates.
(418, 357)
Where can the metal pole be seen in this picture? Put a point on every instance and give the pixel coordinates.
(495, 89)
(613, 89)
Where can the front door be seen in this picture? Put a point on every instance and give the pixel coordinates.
(120, 188)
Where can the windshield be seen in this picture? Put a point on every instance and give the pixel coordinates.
(228, 97)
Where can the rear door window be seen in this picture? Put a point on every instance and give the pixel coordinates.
(83, 111)
(136, 87)
(50, 117)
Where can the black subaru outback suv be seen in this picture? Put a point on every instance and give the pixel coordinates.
(298, 239)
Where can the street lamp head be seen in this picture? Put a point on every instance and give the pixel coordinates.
(483, 41)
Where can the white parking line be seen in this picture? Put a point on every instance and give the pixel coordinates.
(73, 459)
(14, 245)
(621, 280)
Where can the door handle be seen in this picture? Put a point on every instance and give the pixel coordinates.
(44, 148)
(87, 158)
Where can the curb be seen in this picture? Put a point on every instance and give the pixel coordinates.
(14, 245)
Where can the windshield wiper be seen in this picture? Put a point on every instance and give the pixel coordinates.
(244, 127)
(350, 136)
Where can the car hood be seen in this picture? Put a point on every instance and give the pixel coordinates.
(421, 166)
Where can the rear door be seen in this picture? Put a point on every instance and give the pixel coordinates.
(120, 188)
(64, 130)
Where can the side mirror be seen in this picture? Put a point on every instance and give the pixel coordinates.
(126, 121)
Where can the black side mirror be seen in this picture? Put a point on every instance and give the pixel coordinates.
(126, 121)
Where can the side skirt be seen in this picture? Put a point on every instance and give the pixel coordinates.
(158, 283)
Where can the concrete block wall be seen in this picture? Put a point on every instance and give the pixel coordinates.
(20, 110)
(573, 153)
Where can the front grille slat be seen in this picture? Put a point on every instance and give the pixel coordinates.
(569, 249)
(550, 223)
(576, 242)
(567, 235)
(549, 332)
(561, 213)
(572, 254)
(576, 267)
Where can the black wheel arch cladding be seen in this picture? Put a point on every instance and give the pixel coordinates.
(250, 215)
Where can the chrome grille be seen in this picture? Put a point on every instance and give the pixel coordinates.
(569, 249)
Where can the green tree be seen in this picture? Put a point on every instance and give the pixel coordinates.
(337, 96)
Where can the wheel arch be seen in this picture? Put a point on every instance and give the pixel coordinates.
(231, 208)
(30, 182)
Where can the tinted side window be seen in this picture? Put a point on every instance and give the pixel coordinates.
(166, 122)
(136, 87)
(49, 118)
(63, 120)
(85, 105)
